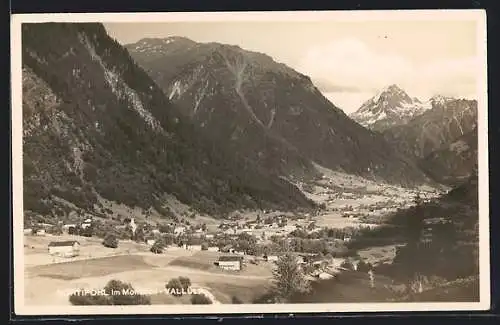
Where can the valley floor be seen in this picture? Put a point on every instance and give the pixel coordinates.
(349, 201)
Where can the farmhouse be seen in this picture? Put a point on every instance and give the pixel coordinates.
(270, 258)
(64, 248)
(150, 242)
(194, 247)
(179, 230)
(233, 263)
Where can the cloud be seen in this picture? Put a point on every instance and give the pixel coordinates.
(350, 63)
(347, 101)
(456, 77)
(331, 86)
(350, 66)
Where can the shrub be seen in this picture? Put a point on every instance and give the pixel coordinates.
(110, 241)
(157, 247)
(200, 300)
(175, 286)
(185, 282)
(236, 300)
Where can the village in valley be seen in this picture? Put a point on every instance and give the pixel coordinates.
(230, 257)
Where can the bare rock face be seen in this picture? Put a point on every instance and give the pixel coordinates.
(390, 107)
(96, 125)
(441, 125)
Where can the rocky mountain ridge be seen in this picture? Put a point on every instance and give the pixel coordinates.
(390, 107)
(96, 126)
(259, 108)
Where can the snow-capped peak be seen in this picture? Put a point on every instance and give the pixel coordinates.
(440, 99)
(390, 106)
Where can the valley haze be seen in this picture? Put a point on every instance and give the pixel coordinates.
(193, 159)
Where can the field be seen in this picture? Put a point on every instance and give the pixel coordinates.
(49, 280)
(52, 282)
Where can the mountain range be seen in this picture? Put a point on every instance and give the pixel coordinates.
(444, 123)
(97, 127)
(440, 135)
(218, 127)
(265, 110)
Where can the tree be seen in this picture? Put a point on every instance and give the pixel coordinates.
(415, 224)
(114, 293)
(110, 241)
(165, 229)
(185, 282)
(175, 286)
(200, 300)
(139, 234)
(128, 232)
(289, 278)
(157, 247)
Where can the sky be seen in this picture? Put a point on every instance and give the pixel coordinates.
(349, 61)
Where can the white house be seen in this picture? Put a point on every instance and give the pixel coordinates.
(270, 258)
(86, 223)
(232, 263)
(194, 247)
(209, 236)
(179, 230)
(213, 249)
(28, 231)
(150, 242)
(65, 248)
(41, 232)
(66, 227)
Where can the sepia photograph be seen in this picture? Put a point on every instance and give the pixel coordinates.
(250, 162)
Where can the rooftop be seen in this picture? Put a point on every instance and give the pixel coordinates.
(63, 243)
(228, 258)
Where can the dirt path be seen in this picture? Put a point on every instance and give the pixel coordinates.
(208, 294)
